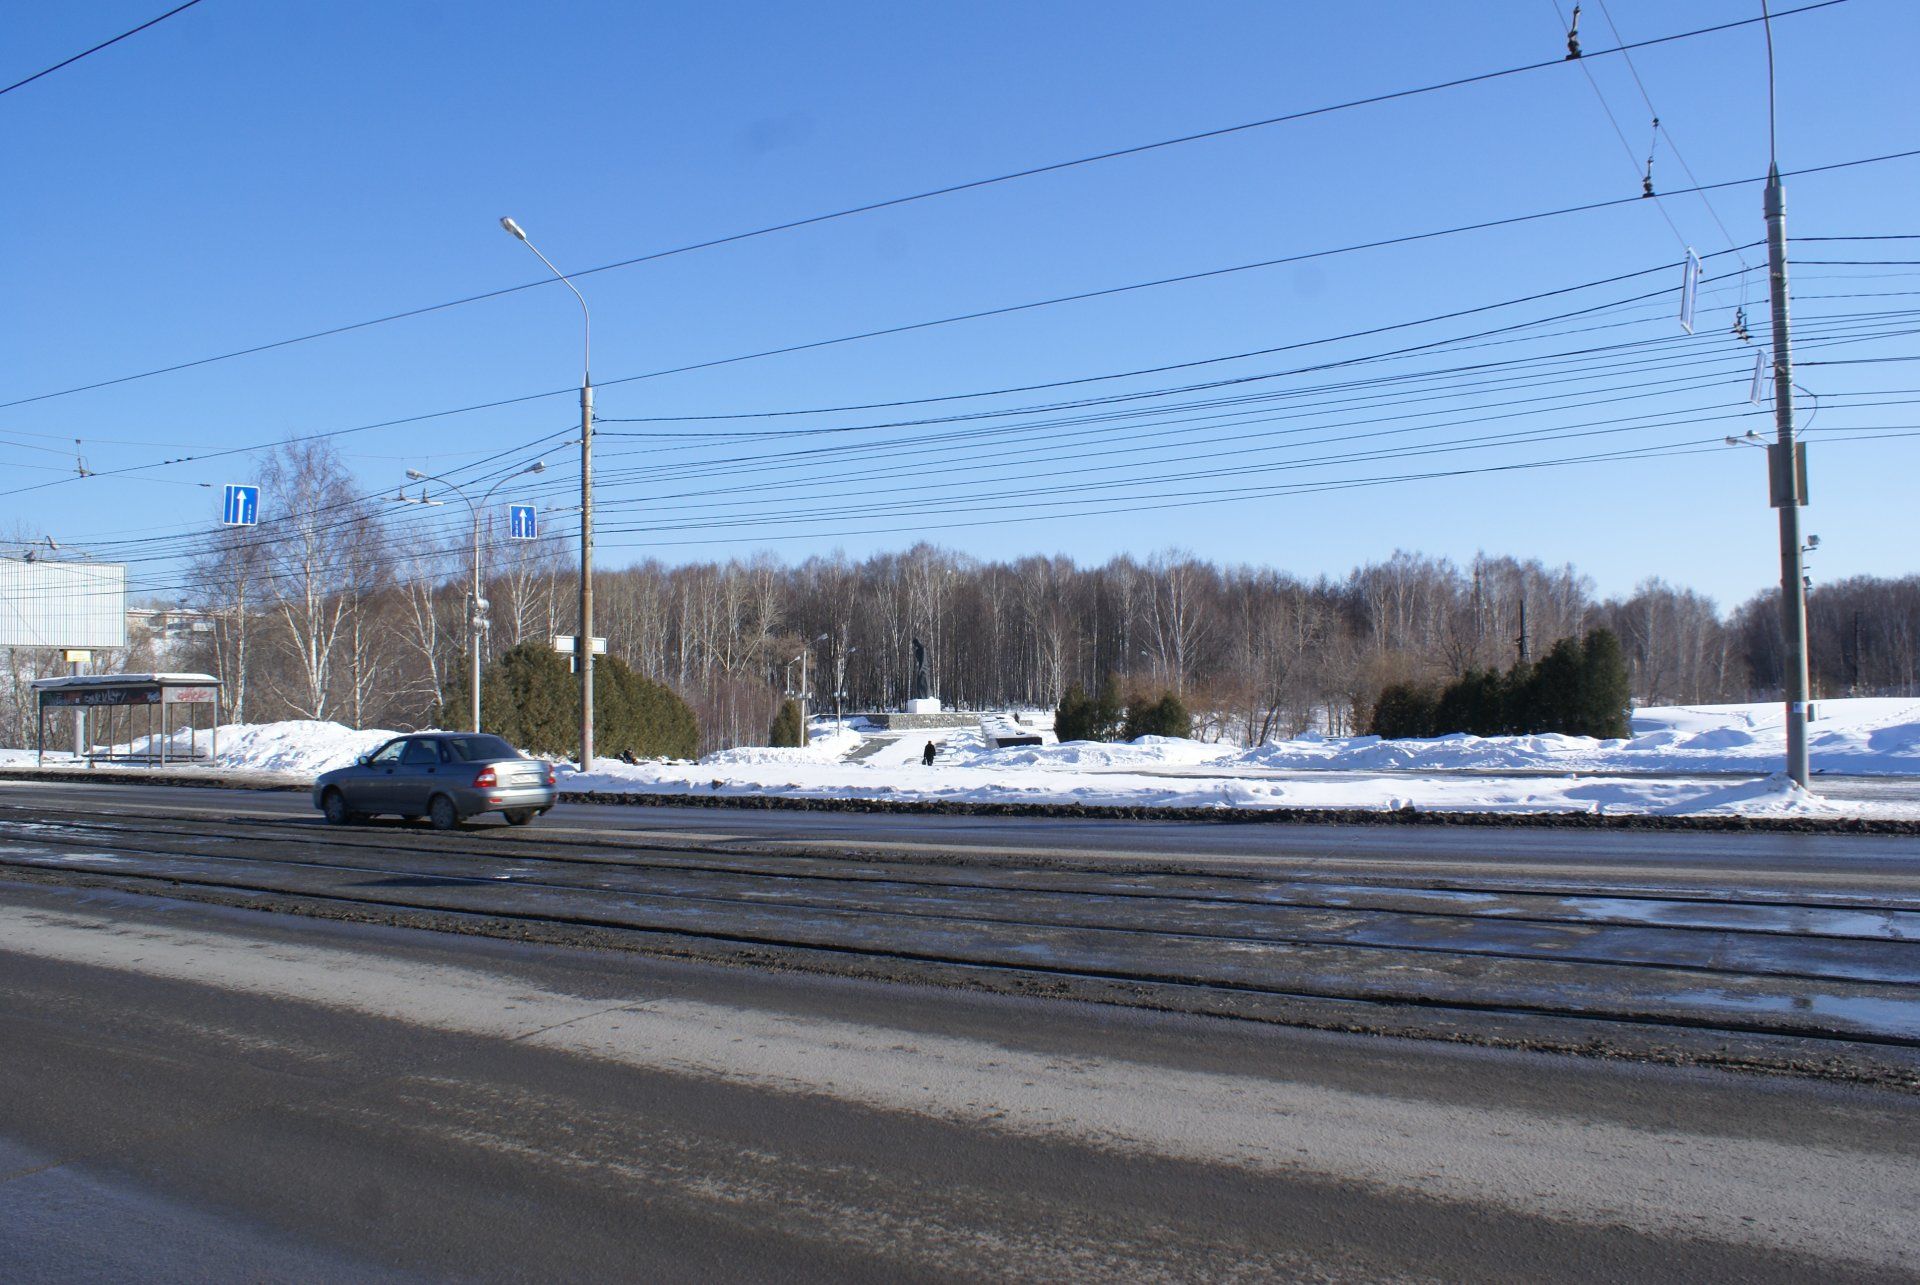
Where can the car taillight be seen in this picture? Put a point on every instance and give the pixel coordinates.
(486, 780)
(552, 778)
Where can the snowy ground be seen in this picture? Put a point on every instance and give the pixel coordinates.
(1697, 761)
(1681, 760)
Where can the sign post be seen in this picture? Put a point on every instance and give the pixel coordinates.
(569, 645)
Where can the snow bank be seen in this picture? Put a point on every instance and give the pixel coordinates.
(1692, 749)
(1457, 792)
(298, 747)
(302, 747)
(825, 744)
(1864, 736)
(1705, 760)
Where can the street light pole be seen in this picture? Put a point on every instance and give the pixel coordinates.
(477, 606)
(583, 650)
(806, 691)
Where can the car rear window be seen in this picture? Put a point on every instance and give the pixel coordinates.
(478, 749)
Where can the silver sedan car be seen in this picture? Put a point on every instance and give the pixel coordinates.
(444, 776)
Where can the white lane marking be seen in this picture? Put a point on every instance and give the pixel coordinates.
(1845, 1204)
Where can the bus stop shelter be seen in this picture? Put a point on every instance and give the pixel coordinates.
(151, 706)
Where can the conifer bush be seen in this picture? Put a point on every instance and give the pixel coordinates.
(786, 729)
(1165, 716)
(1081, 717)
(1580, 688)
(531, 697)
(1404, 710)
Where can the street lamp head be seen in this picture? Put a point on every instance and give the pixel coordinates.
(538, 466)
(416, 474)
(513, 227)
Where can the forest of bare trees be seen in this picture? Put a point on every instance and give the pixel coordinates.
(333, 610)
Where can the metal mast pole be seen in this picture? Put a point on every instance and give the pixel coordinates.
(584, 648)
(1789, 489)
(473, 617)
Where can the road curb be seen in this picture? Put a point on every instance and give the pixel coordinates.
(190, 780)
(1258, 816)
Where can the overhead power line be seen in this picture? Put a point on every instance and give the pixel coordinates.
(104, 44)
(1025, 449)
(930, 194)
(1123, 495)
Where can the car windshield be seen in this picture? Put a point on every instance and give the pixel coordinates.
(478, 749)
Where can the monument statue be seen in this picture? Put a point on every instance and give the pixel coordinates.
(920, 689)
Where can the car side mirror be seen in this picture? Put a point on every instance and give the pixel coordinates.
(363, 760)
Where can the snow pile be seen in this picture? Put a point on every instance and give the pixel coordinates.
(825, 744)
(298, 747)
(1699, 761)
(1866, 736)
(1148, 751)
(1694, 751)
(982, 783)
(302, 747)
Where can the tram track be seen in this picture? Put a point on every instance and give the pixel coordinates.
(789, 905)
(1075, 927)
(1900, 914)
(1890, 924)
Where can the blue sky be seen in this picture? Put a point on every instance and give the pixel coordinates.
(245, 173)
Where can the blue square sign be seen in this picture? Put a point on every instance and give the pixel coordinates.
(522, 522)
(242, 506)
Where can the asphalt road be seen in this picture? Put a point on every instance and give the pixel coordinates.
(200, 1092)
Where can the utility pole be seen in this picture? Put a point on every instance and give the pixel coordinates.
(1786, 461)
(583, 650)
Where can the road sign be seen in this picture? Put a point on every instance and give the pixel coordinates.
(242, 506)
(522, 522)
(567, 644)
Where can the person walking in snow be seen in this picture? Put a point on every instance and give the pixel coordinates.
(926, 755)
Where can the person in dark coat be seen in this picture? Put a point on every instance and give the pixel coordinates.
(926, 755)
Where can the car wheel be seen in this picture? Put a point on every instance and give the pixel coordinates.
(521, 816)
(334, 805)
(443, 814)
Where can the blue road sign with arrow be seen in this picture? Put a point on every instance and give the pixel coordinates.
(522, 522)
(242, 506)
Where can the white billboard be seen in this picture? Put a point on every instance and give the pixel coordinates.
(62, 604)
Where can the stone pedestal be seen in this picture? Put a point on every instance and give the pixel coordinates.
(924, 705)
